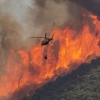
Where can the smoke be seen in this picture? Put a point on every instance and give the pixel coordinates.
(91, 5)
(60, 12)
(12, 34)
(45, 13)
(8, 36)
(48, 14)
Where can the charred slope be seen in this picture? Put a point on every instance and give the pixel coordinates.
(81, 84)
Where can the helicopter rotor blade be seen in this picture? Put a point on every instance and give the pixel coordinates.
(36, 37)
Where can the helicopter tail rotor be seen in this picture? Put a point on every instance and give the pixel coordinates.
(53, 36)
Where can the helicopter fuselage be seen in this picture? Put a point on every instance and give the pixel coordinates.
(46, 41)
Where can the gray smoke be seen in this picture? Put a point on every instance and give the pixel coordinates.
(14, 32)
(91, 5)
(8, 36)
(49, 14)
(65, 12)
(45, 13)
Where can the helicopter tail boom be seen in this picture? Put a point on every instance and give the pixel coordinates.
(52, 36)
(37, 37)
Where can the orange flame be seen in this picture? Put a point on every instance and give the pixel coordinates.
(25, 68)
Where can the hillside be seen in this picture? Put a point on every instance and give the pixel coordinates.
(82, 84)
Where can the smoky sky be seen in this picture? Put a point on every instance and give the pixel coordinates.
(91, 5)
(63, 13)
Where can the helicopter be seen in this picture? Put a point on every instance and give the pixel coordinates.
(46, 39)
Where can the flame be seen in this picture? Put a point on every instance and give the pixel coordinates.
(25, 68)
